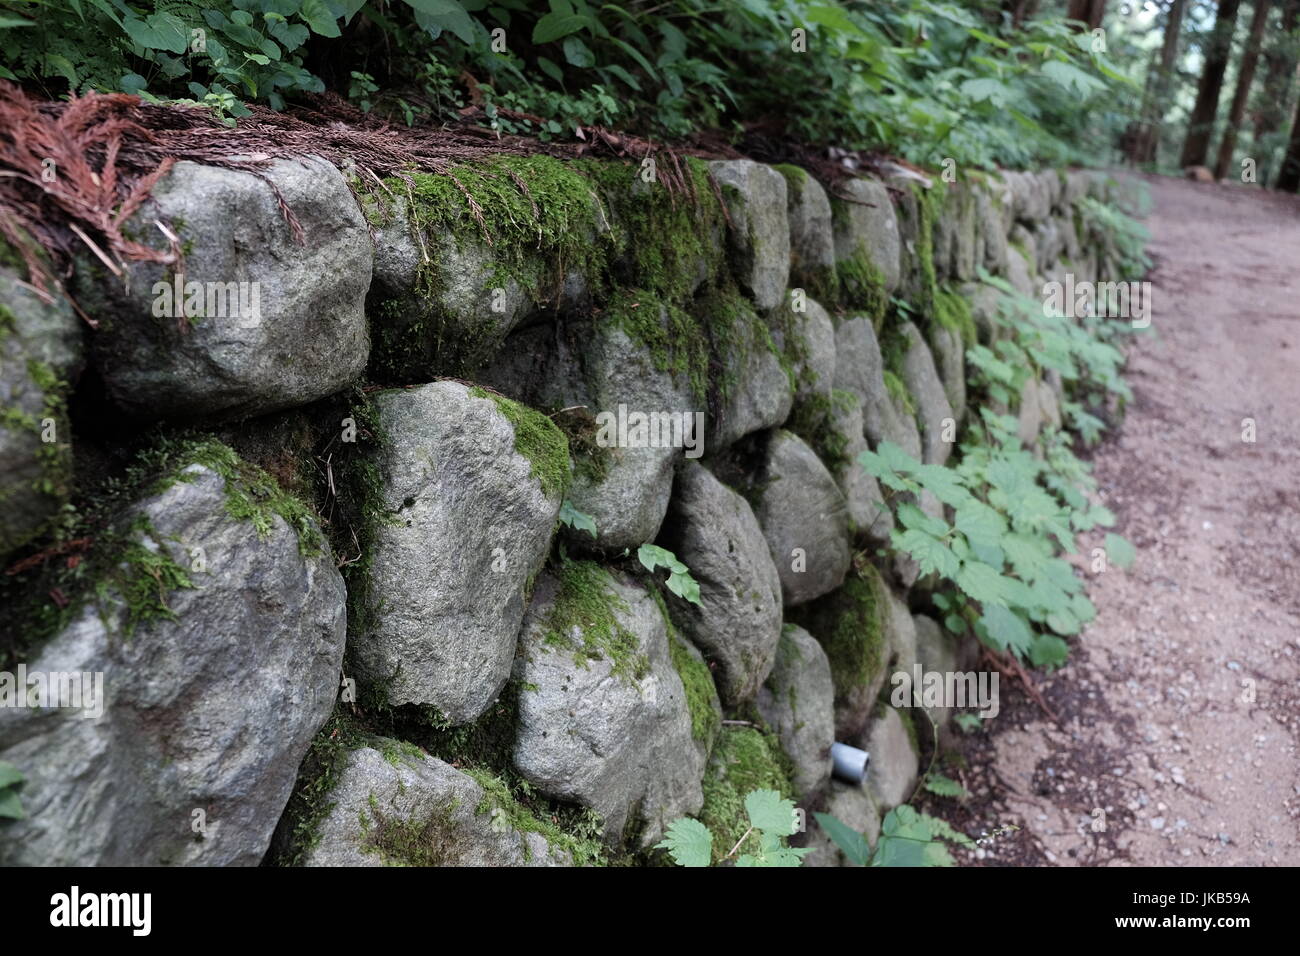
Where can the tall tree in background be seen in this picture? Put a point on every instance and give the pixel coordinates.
(1275, 92)
(1089, 11)
(1245, 76)
(1196, 147)
(1019, 10)
(1288, 179)
(1159, 91)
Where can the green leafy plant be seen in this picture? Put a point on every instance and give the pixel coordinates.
(771, 820)
(571, 517)
(907, 838)
(927, 80)
(680, 581)
(942, 786)
(11, 779)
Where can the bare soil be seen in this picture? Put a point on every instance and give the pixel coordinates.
(1180, 704)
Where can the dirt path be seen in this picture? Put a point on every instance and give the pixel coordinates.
(1181, 702)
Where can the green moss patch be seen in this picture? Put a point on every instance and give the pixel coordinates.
(849, 625)
(431, 841)
(796, 177)
(251, 494)
(582, 846)
(128, 567)
(744, 759)
(583, 620)
(697, 681)
(861, 285)
(953, 313)
(675, 340)
(813, 420)
(296, 833)
(538, 439)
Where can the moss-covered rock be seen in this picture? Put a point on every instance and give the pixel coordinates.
(471, 485)
(393, 805)
(222, 635)
(797, 702)
(850, 624)
(605, 719)
(758, 242)
(812, 242)
(40, 356)
(867, 244)
(745, 759)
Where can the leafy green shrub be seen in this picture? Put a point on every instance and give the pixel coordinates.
(927, 79)
(11, 808)
(907, 838)
(771, 819)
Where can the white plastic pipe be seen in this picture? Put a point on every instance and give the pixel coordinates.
(849, 763)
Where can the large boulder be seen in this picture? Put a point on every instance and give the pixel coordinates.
(755, 390)
(865, 225)
(251, 320)
(221, 639)
(604, 717)
(471, 486)
(870, 519)
(937, 651)
(914, 232)
(891, 776)
(804, 518)
(812, 244)
(461, 260)
(797, 702)
(759, 238)
(949, 353)
(859, 368)
(851, 624)
(955, 232)
(990, 227)
(934, 415)
(601, 375)
(40, 353)
(1020, 269)
(395, 806)
(806, 336)
(737, 623)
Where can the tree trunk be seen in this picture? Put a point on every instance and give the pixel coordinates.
(1196, 147)
(1288, 180)
(1155, 102)
(1088, 11)
(1275, 91)
(1246, 76)
(1019, 10)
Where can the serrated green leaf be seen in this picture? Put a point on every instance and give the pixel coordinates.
(933, 555)
(982, 583)
(913, 517)
(1118, 551)
(688, 842)
(770, 812)
(943, 786)
(982, 526)
(1006, 630)
(1048, 651)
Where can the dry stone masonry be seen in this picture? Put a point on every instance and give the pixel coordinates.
(336, 518)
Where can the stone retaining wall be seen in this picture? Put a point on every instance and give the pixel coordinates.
(328, 484)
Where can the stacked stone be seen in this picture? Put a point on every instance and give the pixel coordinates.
(475, 591)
